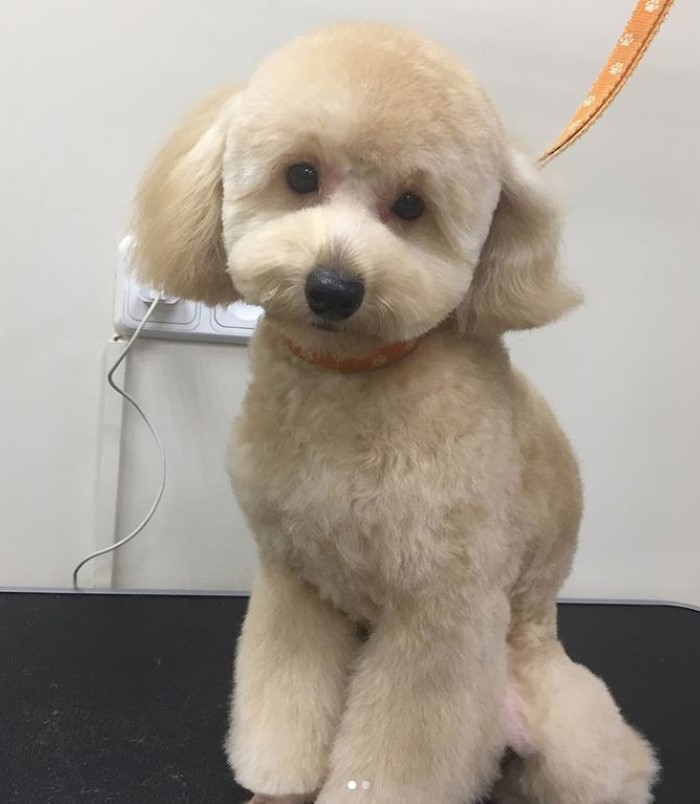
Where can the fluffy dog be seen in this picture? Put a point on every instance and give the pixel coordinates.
(414, 502)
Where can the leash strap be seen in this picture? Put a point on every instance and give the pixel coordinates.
(641, 28)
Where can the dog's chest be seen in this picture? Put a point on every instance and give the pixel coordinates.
(351, 488)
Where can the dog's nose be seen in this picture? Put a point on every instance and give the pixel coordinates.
(333, 294)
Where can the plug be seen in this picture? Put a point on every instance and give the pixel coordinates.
(149, 294)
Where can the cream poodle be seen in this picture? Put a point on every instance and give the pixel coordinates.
(414, 502)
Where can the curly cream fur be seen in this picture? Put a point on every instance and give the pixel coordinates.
(178, 224)
(433, 504)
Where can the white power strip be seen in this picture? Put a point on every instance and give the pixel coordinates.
(176, 318)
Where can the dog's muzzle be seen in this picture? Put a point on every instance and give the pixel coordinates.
(333, 294)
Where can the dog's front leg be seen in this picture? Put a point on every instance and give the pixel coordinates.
(291, 675)
(425, 715)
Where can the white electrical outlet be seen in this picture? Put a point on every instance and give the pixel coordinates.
(176, 318)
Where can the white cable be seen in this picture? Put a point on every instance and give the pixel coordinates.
(154, 433)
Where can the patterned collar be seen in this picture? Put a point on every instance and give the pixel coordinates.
(378, 358)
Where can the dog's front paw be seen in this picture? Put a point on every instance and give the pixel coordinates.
(258, 799)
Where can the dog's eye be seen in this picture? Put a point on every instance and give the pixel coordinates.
(408, 207)
(302, 178)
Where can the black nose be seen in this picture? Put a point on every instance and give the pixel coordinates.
(333, 294)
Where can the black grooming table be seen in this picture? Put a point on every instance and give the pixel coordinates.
(122, 699)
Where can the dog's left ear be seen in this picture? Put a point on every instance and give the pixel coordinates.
(516, 284)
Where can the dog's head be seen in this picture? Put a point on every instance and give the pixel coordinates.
(360, 183)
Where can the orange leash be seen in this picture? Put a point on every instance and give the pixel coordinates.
(641, 28)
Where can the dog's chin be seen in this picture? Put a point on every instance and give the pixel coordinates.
(341, 336)
(351, 336)
(313, 334)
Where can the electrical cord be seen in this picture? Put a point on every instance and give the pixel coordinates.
(156, 437)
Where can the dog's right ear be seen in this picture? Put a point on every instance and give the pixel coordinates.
(177, 222)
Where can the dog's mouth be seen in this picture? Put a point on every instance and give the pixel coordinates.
(325, 326)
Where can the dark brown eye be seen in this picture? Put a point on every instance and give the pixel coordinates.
(408, 207)
(302, 178)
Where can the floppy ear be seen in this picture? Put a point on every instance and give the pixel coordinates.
(177, 221)
(516, 284)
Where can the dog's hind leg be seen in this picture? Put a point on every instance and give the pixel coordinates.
(571, 744)
(293, 660)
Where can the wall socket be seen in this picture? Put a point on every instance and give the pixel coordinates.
(174, 318)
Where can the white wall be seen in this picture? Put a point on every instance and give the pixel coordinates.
(89, 89)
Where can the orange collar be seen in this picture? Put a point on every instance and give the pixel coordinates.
(380, 357)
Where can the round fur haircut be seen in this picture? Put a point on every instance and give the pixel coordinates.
(183, 249)
(434, 499)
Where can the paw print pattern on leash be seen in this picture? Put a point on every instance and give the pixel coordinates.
(629, 49)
